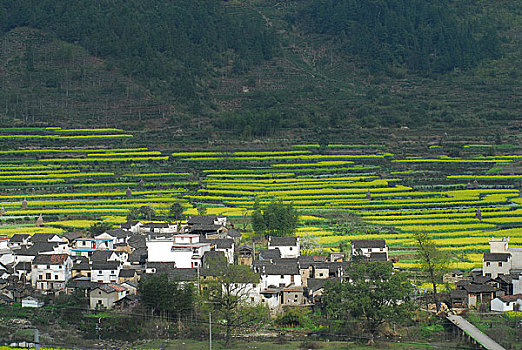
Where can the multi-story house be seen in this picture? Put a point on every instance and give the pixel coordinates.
(185, 251)
(290, 247)
(50, 272)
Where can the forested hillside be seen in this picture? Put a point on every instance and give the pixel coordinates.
(254, 68)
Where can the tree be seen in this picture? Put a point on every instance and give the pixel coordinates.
(201, 210)
(176, 211)
(144, 212)
(228, 292)
(373, 293)
(99, 227)
(432, 260)
(276, 219)
(165, 298)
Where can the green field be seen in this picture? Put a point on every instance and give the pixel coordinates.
(73, 184)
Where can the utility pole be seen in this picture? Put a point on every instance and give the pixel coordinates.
(36, 340)
(210, 329)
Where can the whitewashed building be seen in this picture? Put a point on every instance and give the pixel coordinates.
(50, 272)
(290, 247)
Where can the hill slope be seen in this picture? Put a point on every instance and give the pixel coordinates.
(261, 68)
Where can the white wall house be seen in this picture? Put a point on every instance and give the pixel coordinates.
(51, 271)
(290, 247)
(279, 275)
(105, 271)
(105, 296)
(185, 251)
(368, 246)
(507, 303)
(86, 246)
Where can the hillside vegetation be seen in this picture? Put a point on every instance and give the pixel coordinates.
(260, 68)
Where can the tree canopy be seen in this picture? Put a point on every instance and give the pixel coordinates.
(373, 293)
(424, 36)
(275, 219)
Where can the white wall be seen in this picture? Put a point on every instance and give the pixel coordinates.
(277, 280)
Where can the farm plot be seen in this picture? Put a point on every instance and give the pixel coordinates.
(461, 201)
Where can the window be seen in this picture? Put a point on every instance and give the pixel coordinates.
(488, 275)
(282, 276)
(500, 263)
(55, 277)
(487, 263)
(113, 272)
(48, 266)
(100, 272)
(321, 274)
(40, 277)
(291, 248)
(382, 249)
(47, 276)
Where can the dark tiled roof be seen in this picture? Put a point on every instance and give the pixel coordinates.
(280, 268)
(378, 257)
(71, 236)
(497, 256)
(234, 233)
(23, 266)
(267, 254)
(224, 243)
(82, 283)
(105, 265)
(127, 273)
(42, 237)
(19, 237)
(282, 241)
(80, 263)
(128, 225)
(368, 243)
(314, 284)
(155, 225)
(101, 255)
(140, 255)
(137, 241)
(201, 219)
(119, 233)
(50, 259)
(479, 288)
(204, 228)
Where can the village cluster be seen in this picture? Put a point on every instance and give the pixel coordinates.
(107, 268)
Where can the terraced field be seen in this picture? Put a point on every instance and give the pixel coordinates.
(74, 178)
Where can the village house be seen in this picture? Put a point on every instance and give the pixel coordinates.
(369, 247)
(87, 246)
(185, 250)
(507, 303)
(289, 247)
(18, 240)
(131, 226)
(105, 271)
(104, 296)
(50, 272)
(501, 260)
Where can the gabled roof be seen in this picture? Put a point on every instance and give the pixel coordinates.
(479, 288)
(23, 266)
(314, 284)
(137, 241)
(222, 243)
(50, 259)
(282, 241)
(155, 225)
(80, 263)
(111, 288)
(233, 233)
(201, 219)
(497, 257)
(139, 255)
(42, 237)
(368, 243)
(511, 298)
(101, 255)
(127, 273)
(105, 265)
(19, 237)
(128, 225)
(205, 228)
(378, 256)
(71, 236)
(280, 268)
(268, 254)
(119, 233)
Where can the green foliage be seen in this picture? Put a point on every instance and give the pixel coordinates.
(431, 259)
(164, 297)
(275, 219)
(426, 37)
(99, 227)
(168, 44)
(228, 292)
(374, 295)
(176, 211)
(142, 213)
